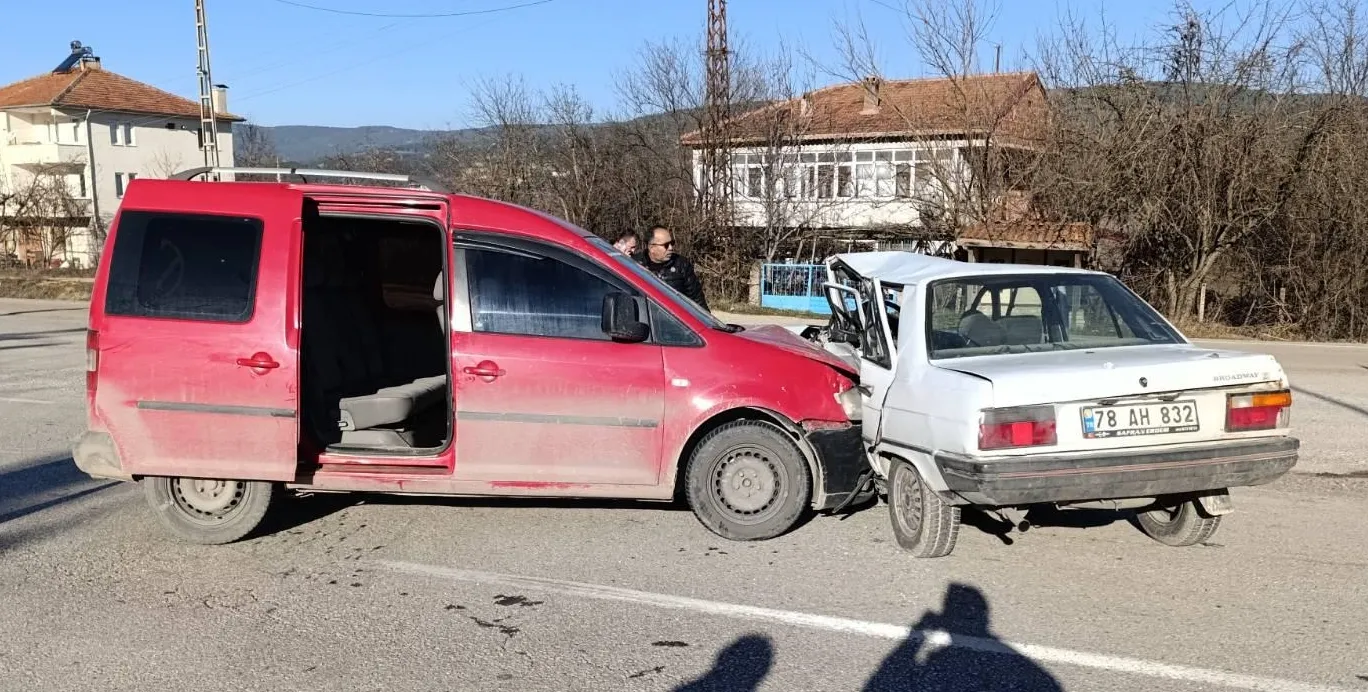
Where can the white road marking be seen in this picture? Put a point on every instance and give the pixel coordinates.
(934, 638)
(17, 400)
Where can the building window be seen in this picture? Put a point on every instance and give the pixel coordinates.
(755, 181)
(844, 185)
(121, 181)
(903, 179)
(121, 135)
(825, 176)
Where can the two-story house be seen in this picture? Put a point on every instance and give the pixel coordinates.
(70, 142)
(924, 163)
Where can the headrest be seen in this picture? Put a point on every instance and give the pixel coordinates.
(439, 287)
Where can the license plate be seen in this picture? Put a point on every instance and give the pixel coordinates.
(1131, 420)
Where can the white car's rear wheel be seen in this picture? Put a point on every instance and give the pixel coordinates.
(1179, 525)
(924, 524)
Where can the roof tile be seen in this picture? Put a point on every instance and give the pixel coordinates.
(1006, 105)
(99, 89)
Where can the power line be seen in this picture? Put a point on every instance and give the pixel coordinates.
(434, 15)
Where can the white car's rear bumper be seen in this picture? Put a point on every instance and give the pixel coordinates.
(1007, 481)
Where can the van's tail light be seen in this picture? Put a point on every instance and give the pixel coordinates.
(1262, 411)
(1026, 426)
(92, 359)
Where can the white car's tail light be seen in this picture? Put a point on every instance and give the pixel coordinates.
(1008, 428)
(1262, 411)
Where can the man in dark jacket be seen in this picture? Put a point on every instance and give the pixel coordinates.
(674, 269)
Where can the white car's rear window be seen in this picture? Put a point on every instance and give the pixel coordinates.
(1023, 313)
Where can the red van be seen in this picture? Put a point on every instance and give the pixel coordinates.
(247, 338)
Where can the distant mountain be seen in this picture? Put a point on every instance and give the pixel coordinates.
(309, 144)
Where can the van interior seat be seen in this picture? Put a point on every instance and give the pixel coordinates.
(348, 384)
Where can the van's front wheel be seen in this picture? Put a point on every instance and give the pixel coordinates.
(209, 512)
(748, 481)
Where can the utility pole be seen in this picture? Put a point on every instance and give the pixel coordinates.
(208, 119)
(716, 178)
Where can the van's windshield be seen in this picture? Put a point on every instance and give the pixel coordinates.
(680, 299)
(1025, 313)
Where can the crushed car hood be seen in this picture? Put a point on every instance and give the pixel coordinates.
(785, 339)
(1088, 375)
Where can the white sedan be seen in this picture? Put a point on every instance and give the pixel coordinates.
(1016, 386)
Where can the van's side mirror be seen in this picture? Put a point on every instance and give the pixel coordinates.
(622, 319)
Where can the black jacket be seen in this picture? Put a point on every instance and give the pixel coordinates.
(678, 273)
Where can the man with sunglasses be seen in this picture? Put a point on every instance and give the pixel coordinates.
(674, 269)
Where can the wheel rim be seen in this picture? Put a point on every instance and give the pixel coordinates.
(1164, 515)
(747, 483)
(208, 502)
(906, 498)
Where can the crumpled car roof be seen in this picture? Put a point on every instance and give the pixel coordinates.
(901, 267)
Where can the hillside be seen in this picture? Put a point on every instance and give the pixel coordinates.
(308, 144)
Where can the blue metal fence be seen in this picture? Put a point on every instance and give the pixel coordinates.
(795, 287)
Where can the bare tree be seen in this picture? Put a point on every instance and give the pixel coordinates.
(1182, 144)
(981, 142)
(166, 163)
(42, 213)
(253, 147)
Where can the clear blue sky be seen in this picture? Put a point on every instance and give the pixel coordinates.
(286, 64)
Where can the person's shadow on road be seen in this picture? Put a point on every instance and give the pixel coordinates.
(740, 667)
(975, 661)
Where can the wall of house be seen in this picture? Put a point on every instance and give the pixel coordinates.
(159, 146)
(124, 146)
(883, 184)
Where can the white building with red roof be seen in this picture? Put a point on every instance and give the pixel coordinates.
(92, 131)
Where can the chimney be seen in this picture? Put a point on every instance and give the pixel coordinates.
(871, 95)
(219, 97)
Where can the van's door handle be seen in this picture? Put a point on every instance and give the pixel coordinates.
(485, 369)
(259, 361)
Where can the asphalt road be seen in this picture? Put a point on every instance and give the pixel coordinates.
(370, 593)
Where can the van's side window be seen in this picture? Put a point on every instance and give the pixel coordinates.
(533, 296)
(184, 266)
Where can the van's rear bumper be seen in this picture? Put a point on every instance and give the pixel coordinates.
(1032, 479)
(96, 455)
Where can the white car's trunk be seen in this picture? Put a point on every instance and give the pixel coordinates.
(1087, 384)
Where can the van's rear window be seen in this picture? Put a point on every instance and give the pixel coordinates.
(184, 266)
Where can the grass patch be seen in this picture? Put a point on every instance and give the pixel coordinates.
(45, 289)
(748, 309)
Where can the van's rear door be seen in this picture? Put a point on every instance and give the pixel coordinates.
(196, 324)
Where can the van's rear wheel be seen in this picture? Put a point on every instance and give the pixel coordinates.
(206, 511)
(1179, 525)
(748, 481)
(923, 523)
